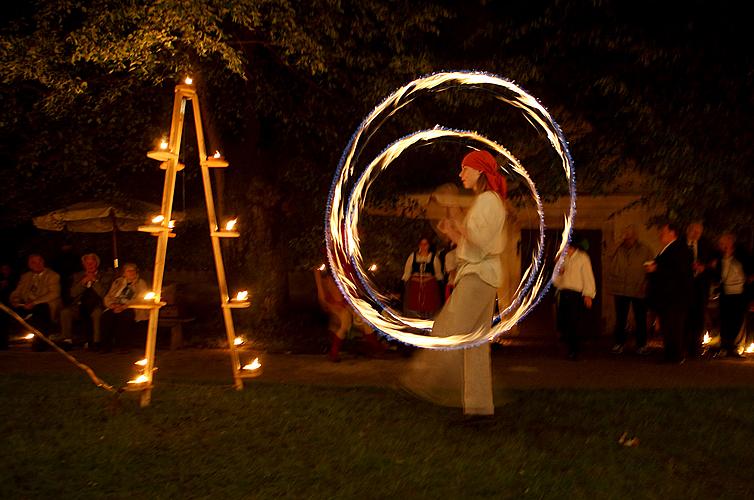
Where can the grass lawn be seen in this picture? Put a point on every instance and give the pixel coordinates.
(61, 437)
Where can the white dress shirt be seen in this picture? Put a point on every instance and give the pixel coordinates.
(576, 274)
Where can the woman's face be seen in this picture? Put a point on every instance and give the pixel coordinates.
(424, 246)
(469, 176)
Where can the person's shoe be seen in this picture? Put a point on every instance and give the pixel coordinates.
(642, 351)
(617, 349)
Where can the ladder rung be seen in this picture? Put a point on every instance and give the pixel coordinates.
(161, 155)
(225, 234)
(211, 162)
(156, 230)
(237, 304)
(146, 305)
(178, 167)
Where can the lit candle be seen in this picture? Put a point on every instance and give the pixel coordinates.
(164, 143)
(238, 341)
(141, 362)
(241, 296)
(188, 80)
(750, 349)
(139, 380)
(373, 267)
(254, 365)
(231, 224)
(157, 219)
(29, 336)
(171, 224)
(150, 296)
(706, 339)
(321, 268)
(217, 155)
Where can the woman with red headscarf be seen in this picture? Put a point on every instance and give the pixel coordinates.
(463, 378)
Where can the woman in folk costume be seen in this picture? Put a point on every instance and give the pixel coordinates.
(422, 276)
(463, 377)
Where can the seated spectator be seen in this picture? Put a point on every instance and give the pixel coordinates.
(87, 293)
(37, 296)
(8, 282)
(118, 321)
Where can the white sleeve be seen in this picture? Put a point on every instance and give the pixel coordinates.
(587, 277)
(407, 268)
(438, 268)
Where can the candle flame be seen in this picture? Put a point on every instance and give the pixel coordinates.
(373, 267)
(164, 144)
(29, 336)
(254, 365)
(141, 379)
(750, 349)
(141, 362)
(707, 339)
(242, 295)
(157, 219)
(188, 80)
(217, 154)
(150, 296)
(238, 341)
(171, 224)
(321, 268)
(231, 224)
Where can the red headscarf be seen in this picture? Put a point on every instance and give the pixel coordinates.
(485, 163)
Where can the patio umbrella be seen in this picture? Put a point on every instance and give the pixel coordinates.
(100, 217)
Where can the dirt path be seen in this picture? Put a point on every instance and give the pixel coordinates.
(516, 366)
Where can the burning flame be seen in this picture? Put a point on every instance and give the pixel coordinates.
(217, 155)
(171, 224)
(29, 336)
(238, 341)
(373, 267)
(157, 219)
(242, 295)
(254, 365)
(164, 143)
(141, 362)
(707, 339)
(188, 80)
(141, 379)
(750, 349)
(230, 224)
(321, 268)
(150, 296)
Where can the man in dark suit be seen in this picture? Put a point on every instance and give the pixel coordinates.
(703, 257)
(670, 290)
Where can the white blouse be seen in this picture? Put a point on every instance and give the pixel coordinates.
(479, 252)
(422, 259)
(576, 274)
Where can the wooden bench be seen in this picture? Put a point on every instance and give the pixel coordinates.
(171, 317)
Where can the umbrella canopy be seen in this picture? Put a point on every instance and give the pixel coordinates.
(100, 217)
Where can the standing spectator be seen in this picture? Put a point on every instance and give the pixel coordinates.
(576, 290)
(87, 292)
(670, 290)
(733, 269)
(118, 321)
(422, 276)
(702, 267)
(37, 296)
(627, 283)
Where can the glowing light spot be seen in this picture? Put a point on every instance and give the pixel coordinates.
(321, 268)
(238, 341)
(28, 336)
(231, 224)
(373, 267)
(188, 80)
(750, 348)
(150, 296)
(141, 379)
(217, 155)
(164, 144)
(171, 224)
(141, 362)
(241, 296)
(254, 365)
(707, 339)
(157, 219)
